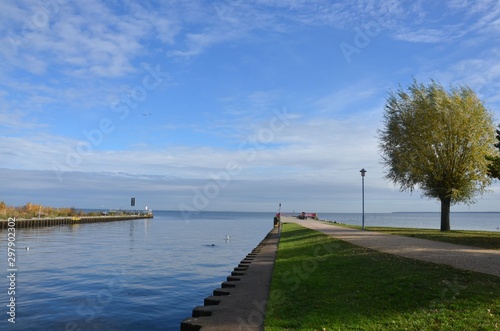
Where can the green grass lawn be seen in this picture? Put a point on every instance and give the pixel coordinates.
(482, 239)
(320, 283)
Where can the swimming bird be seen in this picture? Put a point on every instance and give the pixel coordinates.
(28, 248)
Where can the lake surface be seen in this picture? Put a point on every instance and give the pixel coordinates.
(126, 275)
(149, 274)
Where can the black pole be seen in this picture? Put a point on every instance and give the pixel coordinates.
(363, 202)
(363, 172)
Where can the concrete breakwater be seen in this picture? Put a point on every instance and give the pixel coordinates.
(39, 222)
(240, 303)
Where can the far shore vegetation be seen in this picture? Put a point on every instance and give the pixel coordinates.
(321, 283)
(31, 210)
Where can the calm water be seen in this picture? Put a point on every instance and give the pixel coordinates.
(130, 275)
(148, 274)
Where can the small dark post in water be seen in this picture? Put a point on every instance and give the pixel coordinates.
(132, 202)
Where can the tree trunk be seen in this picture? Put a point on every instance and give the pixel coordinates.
(445, 213)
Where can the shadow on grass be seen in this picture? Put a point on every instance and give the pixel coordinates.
(482, 239)
(300, 235)
(327, 283)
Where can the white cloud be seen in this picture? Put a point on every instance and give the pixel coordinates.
(429, 35)
(83, 39)
(243, 21)
(109, 190)
(12, 120)
(479, 71)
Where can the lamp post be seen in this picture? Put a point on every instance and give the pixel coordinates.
(363, 172)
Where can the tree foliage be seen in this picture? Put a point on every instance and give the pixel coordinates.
(30, 210)
(437, 141)
(494, 166)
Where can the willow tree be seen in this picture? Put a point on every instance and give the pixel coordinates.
(437, 141)
(494, 167)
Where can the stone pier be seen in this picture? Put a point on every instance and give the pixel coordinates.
(240, 303)
(39, 222)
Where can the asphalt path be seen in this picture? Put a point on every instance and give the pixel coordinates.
(459, 256)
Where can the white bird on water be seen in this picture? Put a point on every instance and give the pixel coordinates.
(228, 237)
(28, 248)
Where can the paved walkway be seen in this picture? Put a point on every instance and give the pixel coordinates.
(459, 256)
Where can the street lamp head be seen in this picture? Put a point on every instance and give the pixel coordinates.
(363, 172)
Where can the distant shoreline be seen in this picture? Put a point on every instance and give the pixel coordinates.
(36, 211)
(67, 220)
(437, 212)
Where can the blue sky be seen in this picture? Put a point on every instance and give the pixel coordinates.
(249, 103)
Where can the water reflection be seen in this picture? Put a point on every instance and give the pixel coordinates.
(127, 275)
